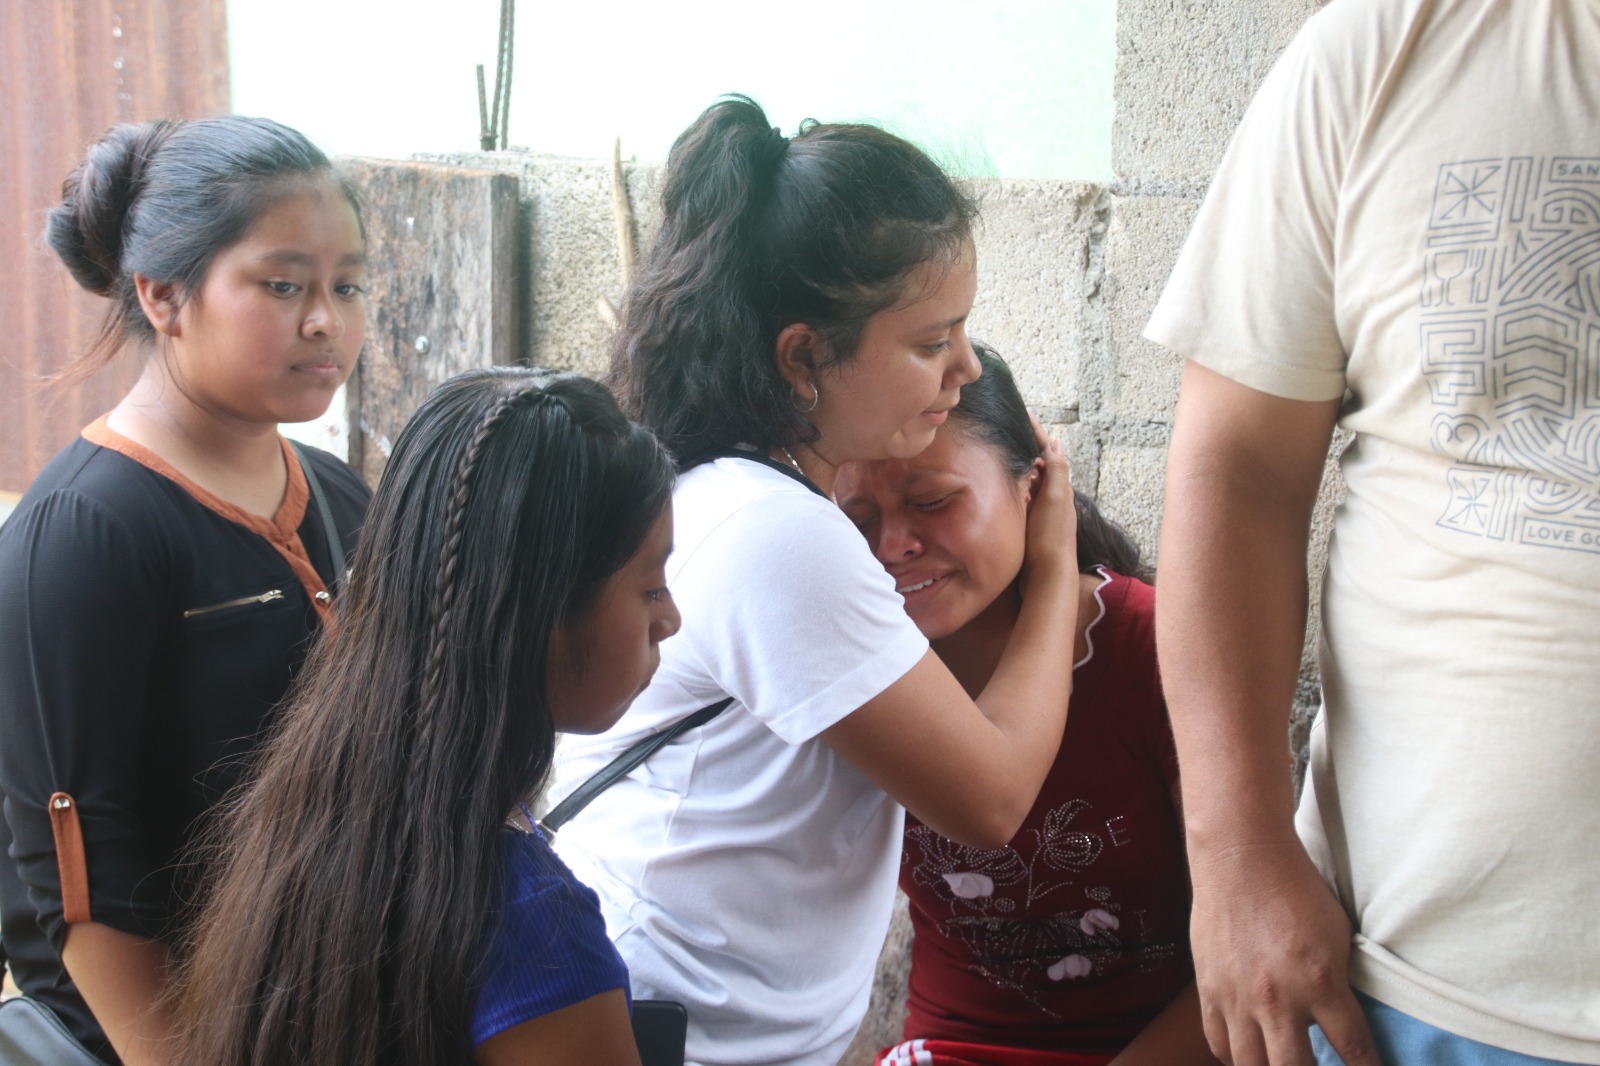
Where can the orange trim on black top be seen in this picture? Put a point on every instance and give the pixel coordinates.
(74, 870)
(282, 530)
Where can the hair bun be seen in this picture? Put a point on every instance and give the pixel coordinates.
(88, 227)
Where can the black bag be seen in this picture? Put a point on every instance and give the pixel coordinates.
(32, 1035)
(660, 1028)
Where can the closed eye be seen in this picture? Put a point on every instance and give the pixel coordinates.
(933, 503)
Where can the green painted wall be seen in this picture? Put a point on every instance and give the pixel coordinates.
(1007, 88)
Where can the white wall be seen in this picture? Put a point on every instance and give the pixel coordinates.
(997, 88)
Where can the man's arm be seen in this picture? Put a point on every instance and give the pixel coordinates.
(1271, 943)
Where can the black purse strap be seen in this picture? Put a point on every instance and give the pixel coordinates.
(711, 454)
(330, 530)
(584, 794)
(638, 752)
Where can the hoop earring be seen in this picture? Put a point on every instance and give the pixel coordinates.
(816, 398)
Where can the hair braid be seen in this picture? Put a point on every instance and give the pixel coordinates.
(444, 584)
(497, 521)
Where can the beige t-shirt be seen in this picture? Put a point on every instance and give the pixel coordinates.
(1411, 211)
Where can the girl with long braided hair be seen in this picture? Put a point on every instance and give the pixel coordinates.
(380, 897)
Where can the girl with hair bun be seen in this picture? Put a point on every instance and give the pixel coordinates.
(372, 906)
(163, 578)
(804, 306)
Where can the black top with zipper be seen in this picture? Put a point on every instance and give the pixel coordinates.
(144, 640)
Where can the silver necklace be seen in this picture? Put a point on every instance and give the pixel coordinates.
(787, 454)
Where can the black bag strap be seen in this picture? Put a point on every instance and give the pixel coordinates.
(749, 455)
(638, 752)
(584, 794)
(330, 530)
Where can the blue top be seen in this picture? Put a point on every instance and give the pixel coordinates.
(551, 950)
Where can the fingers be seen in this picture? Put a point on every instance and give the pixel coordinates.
(1236, 1039)
(1246, 1047)
(1051, 554)
(1051, 470)
(1048, 445)
(1271, 949)
(1053, 477)
(1288, 1043)
(1247, 1044)
(1215, 1024)
(1057, 470)
(1249, 1041)
(1051, 452)
(1039, 435)
(1344, 1024)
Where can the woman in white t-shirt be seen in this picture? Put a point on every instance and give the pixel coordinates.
(804, 306)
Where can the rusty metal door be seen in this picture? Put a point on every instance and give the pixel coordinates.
(68, 70)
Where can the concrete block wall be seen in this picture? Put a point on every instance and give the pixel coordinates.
(1186, 72)
(1069, 273)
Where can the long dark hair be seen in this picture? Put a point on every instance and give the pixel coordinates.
(162, 199)
(761, 231)
(992, 412)
(358, 876)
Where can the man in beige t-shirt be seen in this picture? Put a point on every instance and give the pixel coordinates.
(1404, 238)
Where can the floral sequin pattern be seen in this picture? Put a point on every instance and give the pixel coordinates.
(991, 895)
(972, 876)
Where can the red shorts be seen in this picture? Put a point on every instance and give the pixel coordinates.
(958, 1053)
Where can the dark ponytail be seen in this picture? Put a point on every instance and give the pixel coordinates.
(991, 412)
(162, 199)
(759, 232)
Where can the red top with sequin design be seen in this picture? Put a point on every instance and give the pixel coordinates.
(1075, 935)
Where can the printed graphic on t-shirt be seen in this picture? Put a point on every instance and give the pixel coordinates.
(998, 914)
(1510, 344)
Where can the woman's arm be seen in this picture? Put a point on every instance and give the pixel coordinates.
(972, 770)
(594, 1030)
(79, 618)
(123, 979)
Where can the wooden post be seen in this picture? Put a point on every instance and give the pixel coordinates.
(442, 292)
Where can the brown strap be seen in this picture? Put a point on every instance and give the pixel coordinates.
(69, 858)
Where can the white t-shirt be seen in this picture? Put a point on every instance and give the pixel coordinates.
(746, 870)
(1411, 210)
